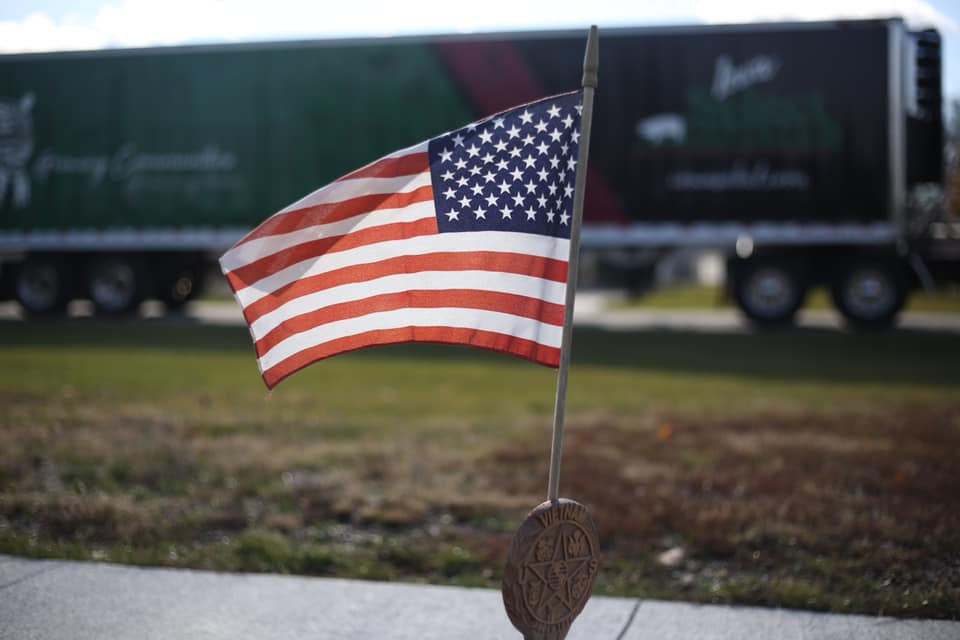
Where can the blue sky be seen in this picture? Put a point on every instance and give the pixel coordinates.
(45, 25)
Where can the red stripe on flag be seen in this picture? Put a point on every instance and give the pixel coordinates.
(250, 273)
(523, 306)
(409, 165)
(336, 211)
(528, 349)
(518, 263)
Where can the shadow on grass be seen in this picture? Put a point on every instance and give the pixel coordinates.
(900, 356)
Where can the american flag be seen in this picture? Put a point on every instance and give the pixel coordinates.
(461, 239)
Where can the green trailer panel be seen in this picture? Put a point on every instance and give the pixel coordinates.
(204, 137)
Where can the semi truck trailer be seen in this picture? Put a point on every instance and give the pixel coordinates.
(807, 154)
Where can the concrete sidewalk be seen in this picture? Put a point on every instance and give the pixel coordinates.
(81, 601)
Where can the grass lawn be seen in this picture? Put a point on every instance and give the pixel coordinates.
(810, 469)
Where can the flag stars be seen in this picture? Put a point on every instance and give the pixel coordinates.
(517, 180)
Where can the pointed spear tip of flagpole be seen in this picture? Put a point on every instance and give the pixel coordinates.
(591, 59)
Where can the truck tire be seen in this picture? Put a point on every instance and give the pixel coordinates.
(115, 284)
(768, 291)
(180, 287)
(42, 285)
(870, 293)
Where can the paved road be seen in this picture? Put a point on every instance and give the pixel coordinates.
(54, 600)
(591, 309)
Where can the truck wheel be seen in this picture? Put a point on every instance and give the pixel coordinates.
(115, 285)
(768, 292)
(182, 287)
(42, 285)
(870, 293)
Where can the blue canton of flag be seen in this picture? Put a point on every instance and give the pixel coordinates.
(514, 171)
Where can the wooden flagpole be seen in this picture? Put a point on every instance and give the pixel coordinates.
(590, 65)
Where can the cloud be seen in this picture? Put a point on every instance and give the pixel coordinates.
(917, 13)
(155, 22)
(127, 23)
(38, 32)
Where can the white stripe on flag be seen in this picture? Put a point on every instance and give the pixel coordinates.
(343, 190)
(511, 283)
(259, 248)
(460, 242)
(503, 323)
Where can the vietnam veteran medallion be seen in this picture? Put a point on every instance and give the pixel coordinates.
(550, 569)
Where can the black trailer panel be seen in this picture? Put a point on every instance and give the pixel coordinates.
(778, 123)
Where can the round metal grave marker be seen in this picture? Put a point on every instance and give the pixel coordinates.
(550, 569)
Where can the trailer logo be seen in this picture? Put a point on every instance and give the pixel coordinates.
(730, 78)
(16, 145)
(205, 173)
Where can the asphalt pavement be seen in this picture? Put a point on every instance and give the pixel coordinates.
(54, 600)
(593, 308)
